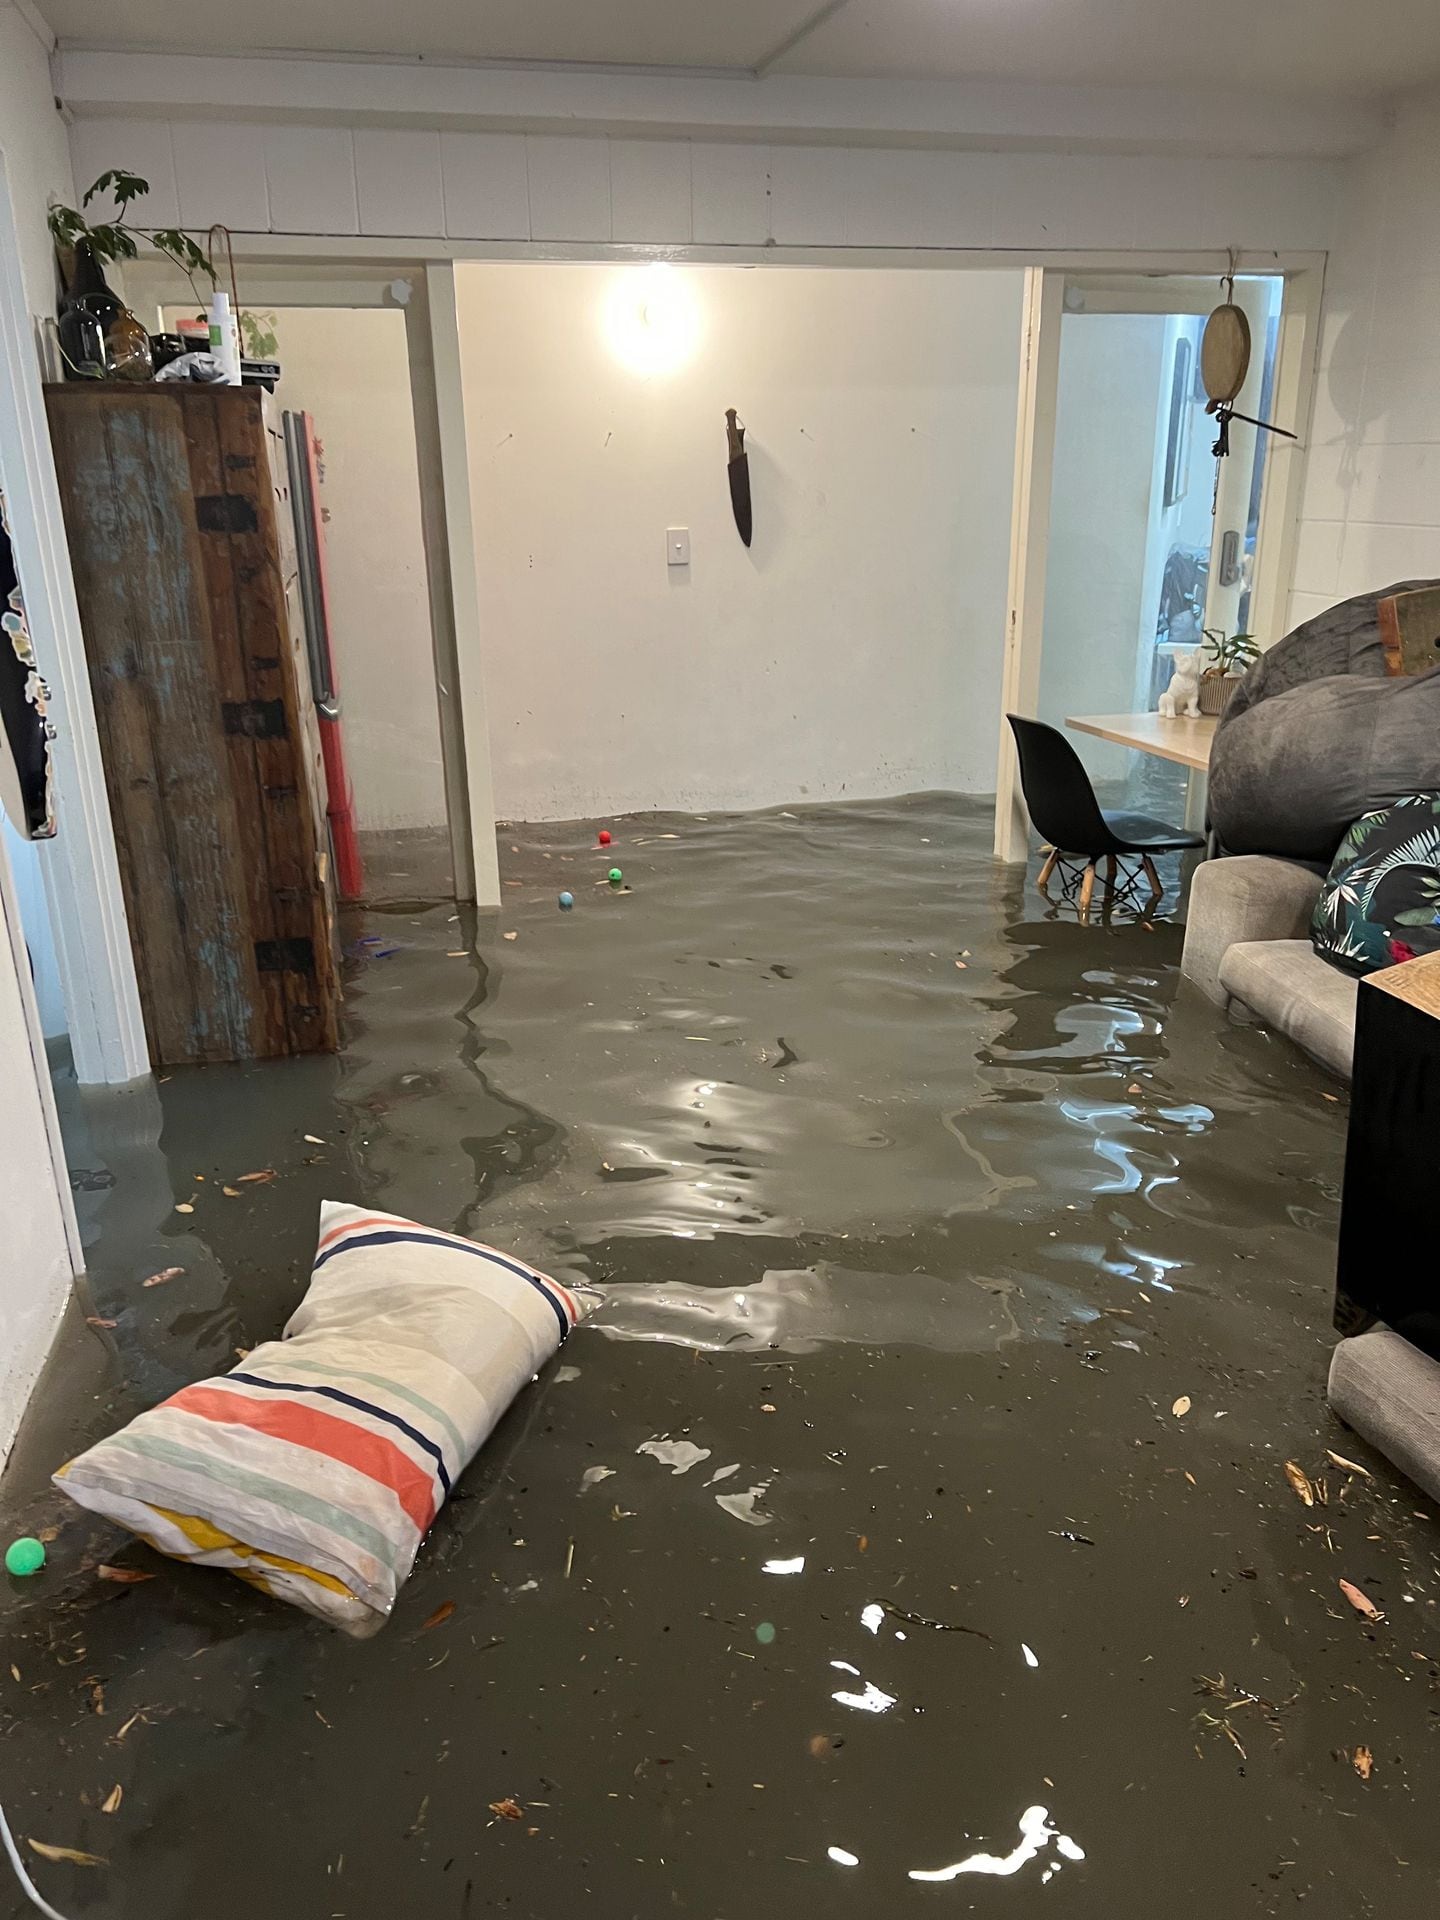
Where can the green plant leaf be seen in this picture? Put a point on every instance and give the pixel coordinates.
(66, 225)
(120, 183)
(1416, 917)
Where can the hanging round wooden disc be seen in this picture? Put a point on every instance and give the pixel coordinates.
(1225, 354)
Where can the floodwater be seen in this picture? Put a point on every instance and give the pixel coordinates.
(853, 1560)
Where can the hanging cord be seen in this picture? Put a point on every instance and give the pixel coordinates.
(21, 1875)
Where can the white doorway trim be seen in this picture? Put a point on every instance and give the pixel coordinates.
(426, 293)
(82, 874)
(1041, 316)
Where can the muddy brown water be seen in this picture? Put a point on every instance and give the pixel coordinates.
(919, 1256)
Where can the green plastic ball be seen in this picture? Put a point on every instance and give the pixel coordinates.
(24, 1556)
(616, 876)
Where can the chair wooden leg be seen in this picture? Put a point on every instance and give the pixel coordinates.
(1047, 869)
(1087, 888)
(1150, 874)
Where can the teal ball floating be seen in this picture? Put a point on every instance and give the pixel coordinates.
(567, 901)
(24, 1556)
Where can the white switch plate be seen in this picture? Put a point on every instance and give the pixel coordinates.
(677, 546)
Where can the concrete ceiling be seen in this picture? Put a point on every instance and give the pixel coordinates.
(1343, 47)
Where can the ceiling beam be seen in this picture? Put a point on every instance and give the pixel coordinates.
(988, 115)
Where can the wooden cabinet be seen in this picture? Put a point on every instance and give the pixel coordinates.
(177, 506)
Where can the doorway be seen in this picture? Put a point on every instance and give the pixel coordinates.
(1132, 542)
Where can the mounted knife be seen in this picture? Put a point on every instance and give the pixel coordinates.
(739, 475)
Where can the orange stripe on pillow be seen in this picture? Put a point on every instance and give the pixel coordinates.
(353, 1446)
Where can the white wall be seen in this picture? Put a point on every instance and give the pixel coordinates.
(34, 141)
(555, 188)
(1371, 507)
(855, 649)
(35, 1267)
(1114, 385)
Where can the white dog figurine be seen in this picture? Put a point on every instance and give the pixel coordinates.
(1181, 699)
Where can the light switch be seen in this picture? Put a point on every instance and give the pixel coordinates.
(677, 546)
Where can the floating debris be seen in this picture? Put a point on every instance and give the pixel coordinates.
(679, 1455)
(72, 1855)
(1300, 1481)
(1361, 1601)
(164, 1276)
(1182, 1406)
(741, 1506)
(1350, 1466)
(123, 1576)
(592, 1476)
(507, 1809)
(441, 1614)
(1363, 1761)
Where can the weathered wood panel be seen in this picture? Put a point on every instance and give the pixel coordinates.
(170, 505)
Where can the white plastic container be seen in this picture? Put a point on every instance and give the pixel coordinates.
(225, 336)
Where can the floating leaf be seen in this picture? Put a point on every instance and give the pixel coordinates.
(510, 936)
(184, 1207)
(1361, 1602)
(441, 1614)
(315, 1140)
(72, 1854)
(257, 1179)
(231, 1193)
(1300, 1481)
(1363, 1762)
(94, 1320)
(111, 1802)
(1181, 1406)
(1350, 1466)
(165, 1274)
(507, 1809)
(123, 1576)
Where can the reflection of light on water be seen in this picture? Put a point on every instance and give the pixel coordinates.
(872, 1700)
(1036, 1833)
(1030, 1659)
(842, 1858)
(797, 1565)
(872, 1616)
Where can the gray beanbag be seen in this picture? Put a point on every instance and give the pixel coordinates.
(1343, 639)
(1290, 775)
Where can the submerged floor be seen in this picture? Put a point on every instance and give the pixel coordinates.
(922, 1208)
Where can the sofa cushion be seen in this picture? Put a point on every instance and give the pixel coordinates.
(1247, 898)
(1381, 902)
(1389, 1392)
(1288, 987)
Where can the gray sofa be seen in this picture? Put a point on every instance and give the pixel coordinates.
(1247, 948)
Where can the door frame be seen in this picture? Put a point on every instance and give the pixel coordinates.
(1042, 315)
(424, 290)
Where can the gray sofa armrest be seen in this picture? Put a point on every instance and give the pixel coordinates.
(1250, 897)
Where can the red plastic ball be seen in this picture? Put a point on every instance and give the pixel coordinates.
(604, 838)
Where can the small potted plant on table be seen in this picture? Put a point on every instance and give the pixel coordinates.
(1229, 660)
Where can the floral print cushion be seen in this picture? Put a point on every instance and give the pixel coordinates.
(1381, 902)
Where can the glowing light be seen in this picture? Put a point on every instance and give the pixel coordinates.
(652, 319)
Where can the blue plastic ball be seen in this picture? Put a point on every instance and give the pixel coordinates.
(567, 901)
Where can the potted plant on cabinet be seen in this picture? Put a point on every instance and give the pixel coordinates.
(1230, 659)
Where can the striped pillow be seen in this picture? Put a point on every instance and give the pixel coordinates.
(315, 1469)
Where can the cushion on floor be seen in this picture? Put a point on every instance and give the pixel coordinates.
(1287, 987)
(315, 1469)
(1381, 901)
(1389, 1392)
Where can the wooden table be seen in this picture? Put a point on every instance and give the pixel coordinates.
(1186, 741)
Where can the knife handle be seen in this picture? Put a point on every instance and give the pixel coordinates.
(734, 433)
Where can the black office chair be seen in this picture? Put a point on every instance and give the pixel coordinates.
(1062, 804)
